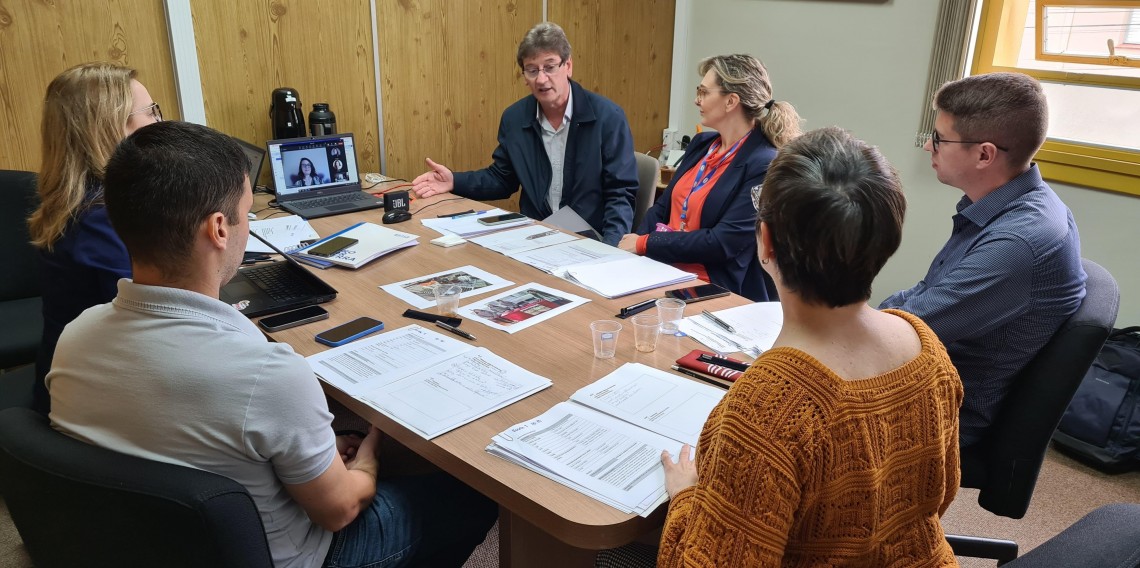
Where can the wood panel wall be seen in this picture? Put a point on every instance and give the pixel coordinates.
(247, 48)
(39, 39)
(448, 73)
(451, 72)
(447, 68)
(624, 51)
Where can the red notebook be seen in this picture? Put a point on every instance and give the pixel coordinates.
(690, 362)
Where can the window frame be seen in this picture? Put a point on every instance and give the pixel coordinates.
(1076, 163)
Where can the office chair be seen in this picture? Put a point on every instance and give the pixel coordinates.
(648, 172)
(20, 304)
(1005, 464)
(1108, 537)
(75, 504)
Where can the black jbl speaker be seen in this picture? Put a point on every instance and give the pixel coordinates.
(396, 201)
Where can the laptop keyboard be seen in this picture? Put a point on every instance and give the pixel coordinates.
(330, 200)
(278, 282)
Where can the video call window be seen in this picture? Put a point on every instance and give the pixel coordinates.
(316, 164)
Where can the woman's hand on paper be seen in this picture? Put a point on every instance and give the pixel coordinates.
(628, 243)
(680, 474)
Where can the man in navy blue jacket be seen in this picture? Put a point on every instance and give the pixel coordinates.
(576, 152)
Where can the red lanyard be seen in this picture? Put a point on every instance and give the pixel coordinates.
(702, 179)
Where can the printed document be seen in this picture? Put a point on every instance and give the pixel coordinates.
(555, 258)
(469, 226)
(607, 440)
(524, 239)
(626, 276)
(757, 325)
(286, 233)
(430, 383)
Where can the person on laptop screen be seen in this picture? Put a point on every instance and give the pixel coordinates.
(307, 175)
(168, 372)
(563, 144)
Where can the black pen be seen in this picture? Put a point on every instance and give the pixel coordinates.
(723, 324)
(455, 330)
(699, 377)
(456, 214)
(727, 363)
(637, 308)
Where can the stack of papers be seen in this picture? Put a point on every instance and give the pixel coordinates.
(467, 226)
(624, 276)
(286, 233)
(373, 241)
(606, 442)
(524, 239)
(555, 259)
(756, 328)
(427, 382)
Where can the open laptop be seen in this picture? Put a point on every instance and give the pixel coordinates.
(275, 287)
(317, 176)
(256, 157)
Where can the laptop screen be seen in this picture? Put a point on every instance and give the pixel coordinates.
(255, 155)
(312, 163)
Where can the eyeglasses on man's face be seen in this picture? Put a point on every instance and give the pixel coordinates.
(935, 140)
(152, 109)
(702, 92)
(531, 73)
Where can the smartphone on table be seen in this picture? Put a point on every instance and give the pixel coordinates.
(331, 246)
(293, 318)
(500, 219)
(697, 293)
(350, 331)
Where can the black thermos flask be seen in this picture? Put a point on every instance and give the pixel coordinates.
(321, 120)
(285, 112)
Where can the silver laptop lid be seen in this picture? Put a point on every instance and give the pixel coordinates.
(313, 166)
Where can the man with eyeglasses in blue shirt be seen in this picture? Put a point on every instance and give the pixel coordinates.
(564, 145)
(1010, 274)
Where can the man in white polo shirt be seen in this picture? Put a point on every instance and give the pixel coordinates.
(168, 372)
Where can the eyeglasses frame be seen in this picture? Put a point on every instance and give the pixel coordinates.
(935, 140)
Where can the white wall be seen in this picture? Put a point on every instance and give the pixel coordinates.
(864, 67)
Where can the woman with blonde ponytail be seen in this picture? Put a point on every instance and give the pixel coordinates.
(704, 222)
(88, 109)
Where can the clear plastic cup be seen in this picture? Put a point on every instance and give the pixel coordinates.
(646, 330)
(447, 298)
(605, 334)
(670, 310)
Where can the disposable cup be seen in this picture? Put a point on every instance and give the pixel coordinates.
(447, 298)
(605, 335)
(670, 310)
(646, 329)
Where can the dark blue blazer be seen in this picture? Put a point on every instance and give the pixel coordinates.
(82, 270)
(600, 175)
(726, 241)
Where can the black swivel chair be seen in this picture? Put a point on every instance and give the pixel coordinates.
(20, 305)
(1108, 537)
(1005, 464)
(75, 504)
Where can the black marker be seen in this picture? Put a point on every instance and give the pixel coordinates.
(727, 363)
(453, 215)
(637, 308)
(455, 330)
(699, 377)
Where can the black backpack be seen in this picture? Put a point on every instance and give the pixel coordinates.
(1102, 424)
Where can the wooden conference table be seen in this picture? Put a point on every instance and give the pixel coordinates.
(541, 523)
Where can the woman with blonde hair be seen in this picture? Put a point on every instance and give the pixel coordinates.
(703, 223)
(88, 110)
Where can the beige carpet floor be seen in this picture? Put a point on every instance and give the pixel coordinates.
(1065, 492)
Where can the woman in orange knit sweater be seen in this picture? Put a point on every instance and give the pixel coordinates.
(839, 446)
